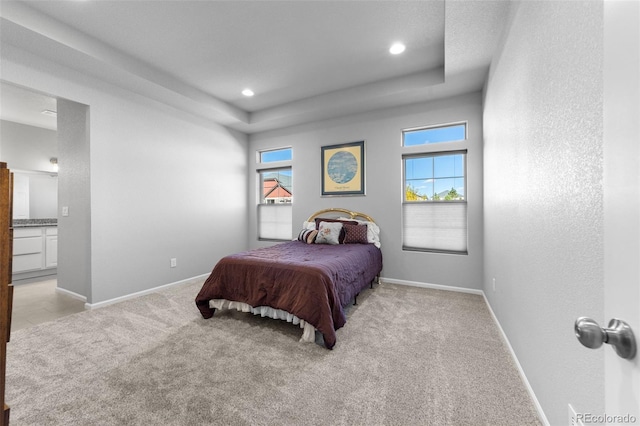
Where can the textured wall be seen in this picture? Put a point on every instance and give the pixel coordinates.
(544, 197)
(74, 192)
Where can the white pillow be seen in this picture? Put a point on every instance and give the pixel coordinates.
(329, 233)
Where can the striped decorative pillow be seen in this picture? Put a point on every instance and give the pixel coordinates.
(307, 236)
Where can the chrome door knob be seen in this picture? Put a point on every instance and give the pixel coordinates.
(618, 334)
(589, 333)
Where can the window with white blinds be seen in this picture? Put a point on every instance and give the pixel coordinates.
(274, 221)
(275, 195)
(434, 208)
(440, 226)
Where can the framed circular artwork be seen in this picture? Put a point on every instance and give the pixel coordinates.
(343, 169)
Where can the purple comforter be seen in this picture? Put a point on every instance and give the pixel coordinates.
(312, 281)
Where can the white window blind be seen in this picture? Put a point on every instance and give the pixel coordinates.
(435, 226)
(275, 221)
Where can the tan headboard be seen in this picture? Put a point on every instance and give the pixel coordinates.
(337, 211)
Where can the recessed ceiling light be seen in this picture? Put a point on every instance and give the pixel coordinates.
(397, 48)
(49, 113)
(248, 92)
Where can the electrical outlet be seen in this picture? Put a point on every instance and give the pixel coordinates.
(65, 211)
(174, 262)
(494, 284)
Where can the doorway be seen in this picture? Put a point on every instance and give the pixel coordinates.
(31, 146)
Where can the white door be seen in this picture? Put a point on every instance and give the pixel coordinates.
(622, 200)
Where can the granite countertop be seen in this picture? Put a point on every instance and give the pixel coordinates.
(24, 223)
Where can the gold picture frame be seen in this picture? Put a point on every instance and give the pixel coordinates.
(343, 169)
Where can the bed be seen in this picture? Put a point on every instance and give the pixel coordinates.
(308, 281)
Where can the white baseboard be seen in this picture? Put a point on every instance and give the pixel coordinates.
(71, 294)
(141, 293)
(541, 415)
(434, 286)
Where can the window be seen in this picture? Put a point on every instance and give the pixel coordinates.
(434, 196)
(434, 134)
(275, 196)
(273, 155)
(276, 186)
(435, 177)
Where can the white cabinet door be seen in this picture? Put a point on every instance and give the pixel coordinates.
(51, 251)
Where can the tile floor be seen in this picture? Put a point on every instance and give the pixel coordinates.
(38, 302)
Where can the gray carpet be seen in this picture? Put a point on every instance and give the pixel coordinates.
(407, 356)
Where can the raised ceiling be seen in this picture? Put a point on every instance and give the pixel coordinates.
(26, 107)
(305, 60)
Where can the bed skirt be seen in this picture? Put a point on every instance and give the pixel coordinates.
(309, 331)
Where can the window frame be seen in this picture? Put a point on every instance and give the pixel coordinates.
(436, 126)
(261, 205)
(432, 155)
(260, 152)
(441, 148)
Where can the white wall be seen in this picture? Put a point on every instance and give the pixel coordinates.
(381, 131)
(163, 184)
(544, 197)
(25, 147)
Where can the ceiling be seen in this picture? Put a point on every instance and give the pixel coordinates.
(305, 60)
(26, 106)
